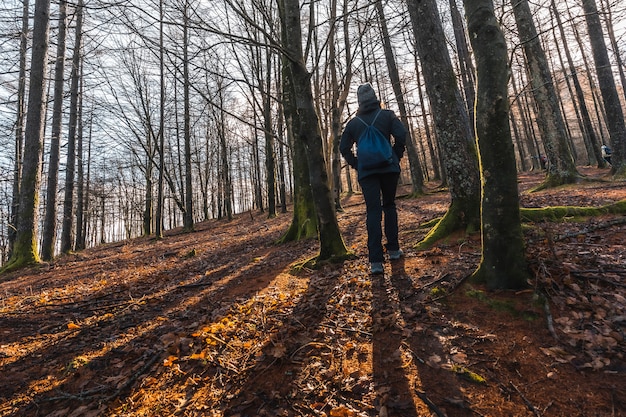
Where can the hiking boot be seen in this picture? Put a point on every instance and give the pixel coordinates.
(376, 268)
(395, 254)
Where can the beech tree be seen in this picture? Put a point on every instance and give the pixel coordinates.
(588, 130)
(561, 166)
(451, 122)
(503, 263)
(417, 176)
(612, 105)
(50, 221)
(25, 250)
(67, 230)
(19, 127)
(306, 129)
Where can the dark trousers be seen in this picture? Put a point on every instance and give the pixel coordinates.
(374, 187)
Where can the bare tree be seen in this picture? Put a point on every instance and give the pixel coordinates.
(70, 169)
(188, 221)
(307, 130)
(417, 176)
(451, 122)
(19, 128)
(25, 249)
(612, 105)
(50, 220)
(503, 263)
(590, 137)
(561, 167)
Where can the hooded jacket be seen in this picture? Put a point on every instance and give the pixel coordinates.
(388, 124)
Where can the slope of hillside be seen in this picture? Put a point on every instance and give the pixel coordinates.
(212, 323)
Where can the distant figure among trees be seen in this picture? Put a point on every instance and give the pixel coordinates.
(606, 153)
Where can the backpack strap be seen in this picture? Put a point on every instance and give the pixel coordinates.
(375, 117)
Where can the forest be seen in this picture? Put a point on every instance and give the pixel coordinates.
(163, 114)
(205, 135)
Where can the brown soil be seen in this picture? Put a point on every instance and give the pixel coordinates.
(212, 323)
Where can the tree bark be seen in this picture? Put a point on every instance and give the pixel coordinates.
(451, 122)
(19, 129)
(503, 263)
(561, 167)
(25, 250)
(612, 105)
(50, 219)
(188, 221)
(593, 147)
(417, 175)
(158, 221)
(304, 223)
(307, 130)
(70, 169)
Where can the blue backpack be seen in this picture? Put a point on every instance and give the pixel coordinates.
(373, 148)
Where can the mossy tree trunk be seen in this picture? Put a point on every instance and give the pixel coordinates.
(561, 168)
(451, 122)
(307, 130)
(503, 263)
(25, 250)
(304, 221)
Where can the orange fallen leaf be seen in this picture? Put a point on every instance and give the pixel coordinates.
(170, 360)
(201, 355)
(72, 326)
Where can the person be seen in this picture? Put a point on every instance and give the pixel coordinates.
(606, 153)
(380, 181)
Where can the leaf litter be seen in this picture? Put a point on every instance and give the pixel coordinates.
(213, 323)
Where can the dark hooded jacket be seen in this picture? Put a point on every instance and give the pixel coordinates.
(388, 124)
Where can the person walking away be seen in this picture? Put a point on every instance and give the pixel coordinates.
(606, 153)
(379, 181)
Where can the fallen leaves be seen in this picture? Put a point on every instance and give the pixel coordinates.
(228, 334)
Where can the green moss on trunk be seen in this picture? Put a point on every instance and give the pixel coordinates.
(462, 214)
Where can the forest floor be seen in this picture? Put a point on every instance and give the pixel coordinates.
(212, 323)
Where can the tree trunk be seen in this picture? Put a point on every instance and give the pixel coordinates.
(50, 219)
(270, 157)
(158, 221)
(612, 105)
(306, 128)
(304, 222)
(339, 95)
(25, 249)
(588, 130)
(561, 168)
(225, 177)
(465, 61)
(621, 67)
(503, 264)
(68, 201)
(81, 205)
(417, 175)
(451, 122)
(19, 129)
(188, 224)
